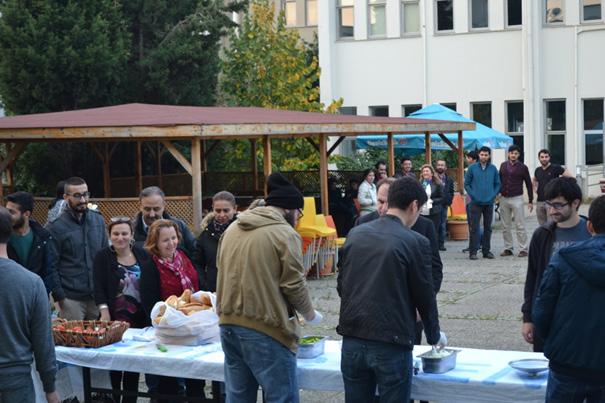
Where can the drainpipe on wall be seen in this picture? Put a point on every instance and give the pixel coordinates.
(425, 60)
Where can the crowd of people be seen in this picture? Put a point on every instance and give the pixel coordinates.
(253, 261)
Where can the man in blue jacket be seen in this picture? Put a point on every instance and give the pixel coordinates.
(568, 314)
(482, 183)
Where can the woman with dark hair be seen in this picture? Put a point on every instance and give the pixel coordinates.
(214, 224)
(117, 273)
(367, 193)
(431, 183)
(55, 208)
(168, 272)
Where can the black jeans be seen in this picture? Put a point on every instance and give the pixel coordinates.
(477, 211)
(126, 381)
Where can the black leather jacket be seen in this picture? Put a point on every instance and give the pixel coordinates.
(384, 277)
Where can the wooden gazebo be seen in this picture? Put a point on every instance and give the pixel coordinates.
(164, 123)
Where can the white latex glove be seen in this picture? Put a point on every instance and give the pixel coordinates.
(316, 320)
(442, 340)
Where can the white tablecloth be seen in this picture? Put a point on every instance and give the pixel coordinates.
(479, 376)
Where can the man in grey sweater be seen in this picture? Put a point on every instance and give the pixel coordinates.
(25, 329)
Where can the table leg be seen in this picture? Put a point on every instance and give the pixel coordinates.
(86, 384)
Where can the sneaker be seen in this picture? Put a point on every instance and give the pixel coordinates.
(473, 256)
(466, 250)
(523, 253)
(488, 255)
(506, 252)
(442, 248)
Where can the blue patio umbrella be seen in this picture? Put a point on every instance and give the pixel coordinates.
(414, 143)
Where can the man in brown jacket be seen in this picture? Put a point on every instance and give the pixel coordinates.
(261, 285)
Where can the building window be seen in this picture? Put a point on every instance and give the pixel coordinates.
(410, 17)
(450, 105)
(346, 19)
(514, 122)
(382, 110)
(555, 130)
(591, 10)
(348, 110)
(311, 13)
(445, 15)
(593, 131)
(407, 110)
(289, 7)
(482, 113)
(514, 12)
(479, 14)
(554, 11)
(377, 13)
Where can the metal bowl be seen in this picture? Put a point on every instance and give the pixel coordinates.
(438, 365)
(530, 366)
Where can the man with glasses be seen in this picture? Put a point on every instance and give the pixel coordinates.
(563, 197)
(78, 234)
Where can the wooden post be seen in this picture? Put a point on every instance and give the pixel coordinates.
(391, 154)
(460, 173)
(204, 159)
(196, 182)
(106, 172)
(323, 173)
(427, 148)
(158, 156)
(11, 179)
(266, 159)
(254, 165)
(138, 175)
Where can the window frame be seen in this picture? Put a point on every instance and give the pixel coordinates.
(370, 5)
(284, 4)
(506, 24)
(491, 111)
(307, 13)
(402, 16)
(514, 134)
(403, 108)
(545, 22)
(339, 8)
(448, 104)
(470, 17)
(586, 132)
(436, 29)
(548, 133)
(372, 108)
(589, 22)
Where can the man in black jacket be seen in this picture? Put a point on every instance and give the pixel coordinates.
(152, 208)
(30, 244)
(448, 196)
(381, 284)
(563, 197)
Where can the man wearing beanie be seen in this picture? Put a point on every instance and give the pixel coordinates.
(260, 288)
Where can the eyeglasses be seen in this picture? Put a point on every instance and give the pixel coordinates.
(556, 206)
(120, 220)
(84, 195)
(222, 210)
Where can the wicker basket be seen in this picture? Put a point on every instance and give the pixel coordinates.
(87, 333)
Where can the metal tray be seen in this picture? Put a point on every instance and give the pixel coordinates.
(440, 365)
(312, 350)
(530, 366)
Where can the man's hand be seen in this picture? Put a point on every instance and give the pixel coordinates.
(530, 207)
(314, 319)
(105, 315)
(442, 340)
(53, 397)
(527, 330)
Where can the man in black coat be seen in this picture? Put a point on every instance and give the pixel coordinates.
(381, 285)
(447, 184)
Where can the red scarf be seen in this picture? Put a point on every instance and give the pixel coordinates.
(177, 266)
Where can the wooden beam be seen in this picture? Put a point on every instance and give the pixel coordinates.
(106, 171)
(427, 148)
(460, 173)
(331, 150)
(158, 162)
(196, 182)
(323, 173)
(310, 141)
(178, 156)
(266, 159)
(254, 165)
(138, 175)
(391, 154)
(203, 156)
(13, 153)
(448, 142)
(113, 149)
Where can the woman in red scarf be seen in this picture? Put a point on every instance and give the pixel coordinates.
(170, 272)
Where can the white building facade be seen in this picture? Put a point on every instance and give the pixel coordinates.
(534, 69)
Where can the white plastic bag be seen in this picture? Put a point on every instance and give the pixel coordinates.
(175, 327)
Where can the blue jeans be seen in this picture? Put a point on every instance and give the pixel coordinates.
(366, 364)
(252, 359)
(442, 226)
(17, 389)
(566, 389)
